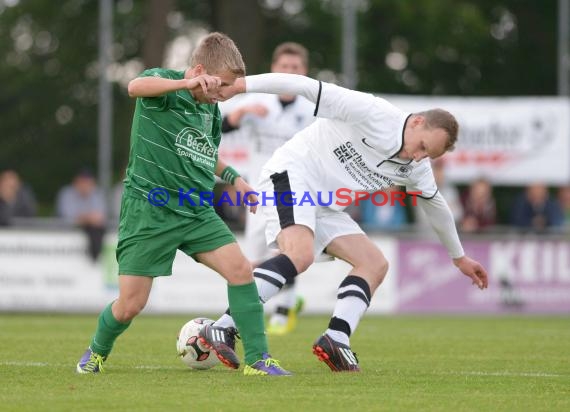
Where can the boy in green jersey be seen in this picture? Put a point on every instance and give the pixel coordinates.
(174, 145)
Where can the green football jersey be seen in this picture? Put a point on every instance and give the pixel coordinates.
(174, 148)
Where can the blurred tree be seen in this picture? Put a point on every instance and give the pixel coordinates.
(49, 87)
(314, 23)
(156, 35)
(482, 47)
(50, 73)
(243, 22)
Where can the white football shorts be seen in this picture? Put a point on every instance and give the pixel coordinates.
(280, 194)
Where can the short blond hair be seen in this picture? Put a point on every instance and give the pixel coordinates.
(291, 48)
(442, 119)
(218, 53)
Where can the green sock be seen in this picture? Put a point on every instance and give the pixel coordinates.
(108, 329)
(247, 311)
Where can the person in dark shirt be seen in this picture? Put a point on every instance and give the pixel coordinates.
(16, 198)
(536, 211)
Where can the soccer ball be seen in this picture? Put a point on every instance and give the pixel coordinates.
(190, 350)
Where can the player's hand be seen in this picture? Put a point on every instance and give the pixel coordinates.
(257, 109)
(227, 92)
(243, 187)
(474, 270)
(208, 83)
(235, 117)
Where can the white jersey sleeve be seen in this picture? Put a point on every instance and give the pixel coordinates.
(421, 184)
(441, 219)
(347, 105)
(283, 83)
(371, 117)
(331, 101)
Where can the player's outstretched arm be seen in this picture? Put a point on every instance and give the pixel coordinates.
(442, 222)
(230, 91)
(153, 86)
(274, 83)
(474, 270)
(331, 101)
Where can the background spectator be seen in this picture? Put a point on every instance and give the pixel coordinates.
(536, 210)
(386, 217)
(564, 199)
(16, 199)
(82, 204)
(479, 206)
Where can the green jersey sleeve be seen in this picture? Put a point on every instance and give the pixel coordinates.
(164, 102)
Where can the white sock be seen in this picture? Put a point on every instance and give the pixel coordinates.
(353, 299)
(289, 296)
(287, 299)
(225, 321)
(278, 319)
(266, 289)
(350, 309)
(338, 336)
(271, 275)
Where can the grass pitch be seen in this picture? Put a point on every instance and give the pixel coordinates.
(408, 363)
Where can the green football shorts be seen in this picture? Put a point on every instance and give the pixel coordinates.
(150, 235)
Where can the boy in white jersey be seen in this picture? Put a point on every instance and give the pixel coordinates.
(270, 121)
(362, 143)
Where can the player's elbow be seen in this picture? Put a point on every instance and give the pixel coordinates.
(133, 88)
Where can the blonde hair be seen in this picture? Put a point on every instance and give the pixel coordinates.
(442, 119)
(217, 53)
(291, 48)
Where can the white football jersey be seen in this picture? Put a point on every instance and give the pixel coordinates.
(268, 133)
(354, 145)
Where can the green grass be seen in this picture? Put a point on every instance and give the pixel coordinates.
(408, 363)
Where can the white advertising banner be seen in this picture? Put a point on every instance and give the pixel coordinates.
(510, 141)
(50, 271)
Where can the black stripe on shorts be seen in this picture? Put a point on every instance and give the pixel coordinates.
(284, 199)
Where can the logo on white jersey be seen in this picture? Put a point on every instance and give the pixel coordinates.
(366, 144)
(404, 170)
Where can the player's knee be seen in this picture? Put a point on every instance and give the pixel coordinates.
(307, 260)
(375, 267)
(129, 309)
(382, 269)
(240, 272)
(379, 269)
(302, 259)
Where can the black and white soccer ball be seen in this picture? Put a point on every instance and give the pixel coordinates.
(190, 350)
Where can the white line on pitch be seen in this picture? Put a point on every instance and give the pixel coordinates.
(503, 373)
(465, 373)
(63, 365)
(157, 367)
(21, 363)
